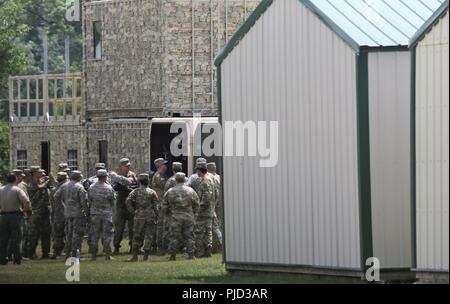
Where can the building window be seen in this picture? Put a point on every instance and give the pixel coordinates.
(72, 159)
(97, 39)
(103, 151)
(22, 162)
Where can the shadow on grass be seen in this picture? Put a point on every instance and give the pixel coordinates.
(264, 278)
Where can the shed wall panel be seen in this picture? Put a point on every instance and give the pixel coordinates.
(432, 149)
(292, 69)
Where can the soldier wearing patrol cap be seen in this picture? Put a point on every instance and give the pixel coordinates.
(143, 204)
(216, 225)
(194, 181)
(122, 216)
(39, 227)
(101, 197)
(158, 184)
(74, 198)
(58, 220)
(180, 204)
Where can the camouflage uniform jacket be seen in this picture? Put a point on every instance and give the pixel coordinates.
(39, 199)
(74, 199)
(159, 183)
(181, 201)
(194, 181)
(171, 182)
(143, 202)
(57, 208)
(126, 184)
(101, 198)
(207, 195)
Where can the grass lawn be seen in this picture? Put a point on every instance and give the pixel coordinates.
(156, 270)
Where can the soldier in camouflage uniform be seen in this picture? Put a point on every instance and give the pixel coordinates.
(74, 199)
(122, 216)
(158, 184)
(216, 225)
(86, 184)
(57, 217)
(204, 217)
(171, 182)
(143, 203)
(180, 204)
(39, 227)
(101, 197)
(24, 186)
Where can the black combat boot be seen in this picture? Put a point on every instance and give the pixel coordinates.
(172, 257)
(146, 254)
(107, 257)
(116, 250)
(134, 257)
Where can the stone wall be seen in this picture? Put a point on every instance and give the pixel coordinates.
(61, 138)
(129, 139)
(126, 81)
(150, 67)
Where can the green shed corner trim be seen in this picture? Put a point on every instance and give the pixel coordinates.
(438, 14)
(413, 161)
(219, 104)
(363, 150)
(242, 31)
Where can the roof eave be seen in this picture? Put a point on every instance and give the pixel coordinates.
(437, 15)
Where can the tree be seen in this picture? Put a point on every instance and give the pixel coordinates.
(12, 27)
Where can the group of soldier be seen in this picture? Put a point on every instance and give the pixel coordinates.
(162, 214)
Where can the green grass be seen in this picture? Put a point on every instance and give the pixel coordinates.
(156, 270)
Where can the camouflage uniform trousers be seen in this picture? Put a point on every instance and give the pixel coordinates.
(203, 233)
(75, 229)
(182, 233)
(143, 230)
(162, 231)
(101, 227)
(39, 228)
(122, 217)
(58, 234)
(216, 230)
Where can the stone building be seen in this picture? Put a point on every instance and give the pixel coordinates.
(142, 60)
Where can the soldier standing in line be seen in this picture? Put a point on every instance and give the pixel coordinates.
(13, 203)
(216, 224)
(143, 203)
(122, 216)
(86, 184)
(39, 227)
(74, 199)
(203, 221)
(180, 204)
(101, 197)
(24, 186)
(171, 182)
(158, 184)
(57, 217)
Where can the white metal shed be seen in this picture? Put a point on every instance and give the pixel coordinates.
(430, 77)
(337, 80)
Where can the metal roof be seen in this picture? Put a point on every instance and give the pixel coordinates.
(376, 23)
(429, 24)
(361, 23)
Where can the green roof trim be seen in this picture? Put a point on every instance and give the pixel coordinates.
(265, 4)
(434, 19)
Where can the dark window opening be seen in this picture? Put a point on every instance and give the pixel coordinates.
(45, 156)
(22, 161)
(32, 109)
(103, 152)
(97, 40)
(72, 159)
